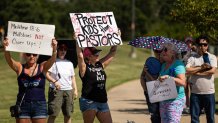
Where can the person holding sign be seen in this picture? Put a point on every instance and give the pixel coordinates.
(150, 72)
(93, 101)
(63, 87)
(202, 67)
(31, 102)
(171, 110)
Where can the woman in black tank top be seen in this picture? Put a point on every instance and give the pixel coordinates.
(93, 101)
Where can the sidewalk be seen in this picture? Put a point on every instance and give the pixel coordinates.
(127, 102)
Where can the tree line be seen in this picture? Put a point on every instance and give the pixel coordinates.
(170, 18)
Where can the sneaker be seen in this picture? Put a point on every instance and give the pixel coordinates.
(186, 110)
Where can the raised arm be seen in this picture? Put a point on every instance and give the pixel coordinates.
(81, 62)
(47, 64)
(109, 57)
(15, 65)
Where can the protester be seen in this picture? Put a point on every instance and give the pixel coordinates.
(93, 101)
(187, 54)
(153, 108)
(190, 43)
(31, 81)
(171, 110)
(63, 88)
(202, 67)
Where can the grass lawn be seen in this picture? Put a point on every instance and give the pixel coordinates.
(121, 70)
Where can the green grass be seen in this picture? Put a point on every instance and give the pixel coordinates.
(121, 70)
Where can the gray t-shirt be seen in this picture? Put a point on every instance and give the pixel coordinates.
(201, 84)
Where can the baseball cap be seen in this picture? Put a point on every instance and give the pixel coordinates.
(189, 39)
(91, 51)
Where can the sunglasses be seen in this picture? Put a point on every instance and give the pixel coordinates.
(203, 44)
(29, 54)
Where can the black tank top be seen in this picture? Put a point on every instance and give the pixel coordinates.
(35, 85)
(93, 83)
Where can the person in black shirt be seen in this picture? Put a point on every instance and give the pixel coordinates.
(93, 101)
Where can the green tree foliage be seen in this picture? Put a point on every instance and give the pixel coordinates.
(32, 11)
(151, 16)
(199, 16)
(159, 21)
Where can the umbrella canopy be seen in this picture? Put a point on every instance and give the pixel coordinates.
(156, 42)
(71, 52)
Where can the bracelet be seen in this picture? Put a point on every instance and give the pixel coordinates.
(55, 81)
(54, 52)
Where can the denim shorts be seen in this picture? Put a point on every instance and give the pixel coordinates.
(86, 104)
(33, 109)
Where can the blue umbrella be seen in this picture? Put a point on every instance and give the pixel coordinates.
(156, 42)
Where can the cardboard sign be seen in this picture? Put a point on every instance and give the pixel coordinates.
(95, 29)
(160, 91)
(30, 38)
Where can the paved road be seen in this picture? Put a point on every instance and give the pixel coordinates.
(127, 102)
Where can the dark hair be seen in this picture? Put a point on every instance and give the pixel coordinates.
(202, 37)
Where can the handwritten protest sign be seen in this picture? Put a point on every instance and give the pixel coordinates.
(30, 38)
(159, 91)
(95, 29)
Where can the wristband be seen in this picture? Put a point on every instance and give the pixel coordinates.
(54, 52)
(55, 81)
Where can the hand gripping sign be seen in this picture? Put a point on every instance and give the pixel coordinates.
(160, 91)
(95, 29)
(30, 37)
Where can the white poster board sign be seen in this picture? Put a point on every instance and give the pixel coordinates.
(95, 29)
(30, 38)
(160, 91)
